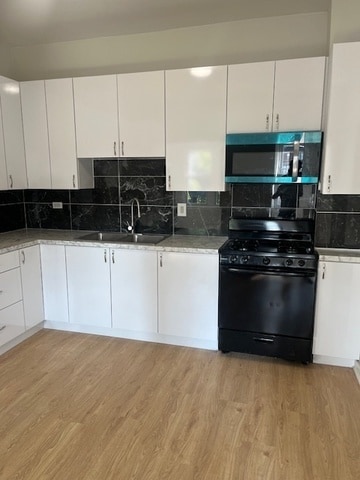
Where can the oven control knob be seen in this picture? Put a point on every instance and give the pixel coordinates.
(288, 262)
(301, 263)
(266, 260)
(244, 259)
(233, 259)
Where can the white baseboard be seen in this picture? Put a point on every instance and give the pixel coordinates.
(334, 361)
(357, 370)
(132, 335)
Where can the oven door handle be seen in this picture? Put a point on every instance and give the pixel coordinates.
(298, 273)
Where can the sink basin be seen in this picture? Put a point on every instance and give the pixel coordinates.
(148, 239)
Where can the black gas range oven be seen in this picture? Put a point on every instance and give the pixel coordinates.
(267, 283)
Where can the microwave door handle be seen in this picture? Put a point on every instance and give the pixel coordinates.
(295, 166)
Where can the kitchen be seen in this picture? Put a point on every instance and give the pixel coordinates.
(206, 213)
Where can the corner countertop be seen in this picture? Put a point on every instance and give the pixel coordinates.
(17, 239)
(348, 255)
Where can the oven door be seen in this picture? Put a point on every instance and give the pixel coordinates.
(267, 301)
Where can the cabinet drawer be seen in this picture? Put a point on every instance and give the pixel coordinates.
(11, 322)
(9, 260)
(10, 288)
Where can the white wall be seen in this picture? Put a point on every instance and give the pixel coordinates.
(345, 21)
(292, 36)
(5, 61)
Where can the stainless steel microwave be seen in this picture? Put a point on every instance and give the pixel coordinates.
(276, 157)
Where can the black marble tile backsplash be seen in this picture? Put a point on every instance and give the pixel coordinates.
(107, 206)
(338, 221)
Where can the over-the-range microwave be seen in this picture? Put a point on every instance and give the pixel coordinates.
(276, 157)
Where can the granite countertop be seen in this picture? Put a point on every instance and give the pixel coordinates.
(174, 243)
(350, 255)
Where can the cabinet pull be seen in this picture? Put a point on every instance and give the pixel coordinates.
(11, 181)
(277, 121)
(267, 122)
(169, 181)
(74, 181)
(329, 183)
(113, 256)
(105, 256)
(323, 271)
(122, 149)
(114, 149)
(161, 260)
(23, 256)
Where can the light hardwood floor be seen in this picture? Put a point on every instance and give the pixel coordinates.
(76, 407)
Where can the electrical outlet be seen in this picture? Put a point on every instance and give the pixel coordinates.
(57, 205)
(181, 209)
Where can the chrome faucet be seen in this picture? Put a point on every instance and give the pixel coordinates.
(131, 227)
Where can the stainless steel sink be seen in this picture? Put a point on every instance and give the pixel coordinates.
(148, 239)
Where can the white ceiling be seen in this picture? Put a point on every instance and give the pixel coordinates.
(30, 22)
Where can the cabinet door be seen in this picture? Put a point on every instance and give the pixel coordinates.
(337, 324)
(54, 283)
(11, 322)
(13, 133)
(88, 276)
(142, 114)
(188, 295)
(65, 173)
(250, 97)
(33, 105)
(96, 116)
(341, 165)
(32, 285)
(3, 171)
(298, 94)
(134, 290)
(195, 128)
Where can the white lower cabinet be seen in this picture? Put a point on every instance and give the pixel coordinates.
(11, 307)
(88, 276)
(53, 268)
(188, 295)
(31, 280)
(337, 317)
(134, 290)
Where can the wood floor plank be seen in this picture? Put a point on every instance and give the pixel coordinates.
(83, 407)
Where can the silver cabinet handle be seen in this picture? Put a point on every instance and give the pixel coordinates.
(329, 183)
(115, 149)
(105, 256)
(267, 122)
(161, 260)
(169, 181)
(23, 256)
(11, 181)
(74, 185)
(277, 121)
(122, 149)
(113, 256)
(323, 271)
(295, 167)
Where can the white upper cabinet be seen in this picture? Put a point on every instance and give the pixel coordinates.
(13, 133)
(141, 99)
(250, 97)
(33, 104)
(67, 172)
(284, 95)
(341, 158)
(3, 170)
(96, 116)
(195, 128)
(298, 94)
